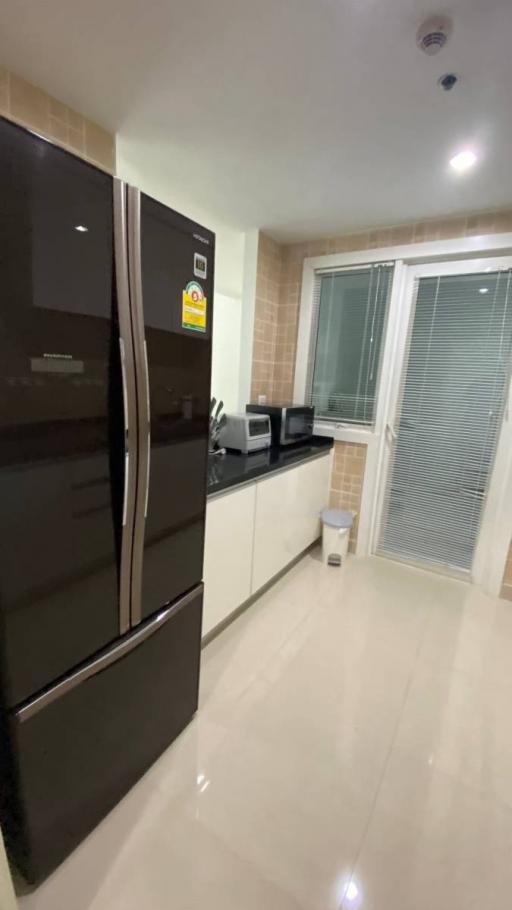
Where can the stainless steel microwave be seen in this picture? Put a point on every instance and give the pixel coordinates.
(245, 433)
(288, 424)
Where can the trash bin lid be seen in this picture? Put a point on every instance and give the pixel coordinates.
(337, 518)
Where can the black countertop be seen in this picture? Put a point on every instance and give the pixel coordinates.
(233, 468)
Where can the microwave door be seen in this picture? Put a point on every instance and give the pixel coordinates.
(298, 425)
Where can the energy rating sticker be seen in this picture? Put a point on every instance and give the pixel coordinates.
(194, 308)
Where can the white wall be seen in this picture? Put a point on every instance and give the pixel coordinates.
(140, 164)
(227, 326)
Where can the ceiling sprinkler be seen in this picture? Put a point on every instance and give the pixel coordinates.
(448, 81)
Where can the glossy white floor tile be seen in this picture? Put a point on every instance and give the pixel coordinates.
(433, 843)
(352, 749)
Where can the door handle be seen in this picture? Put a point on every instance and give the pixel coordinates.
(126, 432)
(147, 476)
(125, 387)
(391, 432)
(126, 481)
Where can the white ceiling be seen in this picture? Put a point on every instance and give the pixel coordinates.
(303, 117)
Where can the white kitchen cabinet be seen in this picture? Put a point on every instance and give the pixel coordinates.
(228, 553)
(288, 507)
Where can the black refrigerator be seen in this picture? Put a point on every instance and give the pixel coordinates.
(105, 352)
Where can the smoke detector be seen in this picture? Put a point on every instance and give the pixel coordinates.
(433, 34)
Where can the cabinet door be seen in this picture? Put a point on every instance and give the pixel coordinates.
(313, 497)
(228, 554)
(61, 413)
(287, 520)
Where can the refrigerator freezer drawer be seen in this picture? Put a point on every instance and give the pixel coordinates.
(79, 749)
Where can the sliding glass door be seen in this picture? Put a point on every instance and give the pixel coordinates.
(449, 403)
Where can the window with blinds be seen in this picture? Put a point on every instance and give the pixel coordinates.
(454, 392)
(349, 317)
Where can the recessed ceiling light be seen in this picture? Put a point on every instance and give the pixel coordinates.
(82, 228)
(352, 896)
(484, 290)
(463, 161)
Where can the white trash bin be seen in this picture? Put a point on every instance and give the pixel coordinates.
(336, 526)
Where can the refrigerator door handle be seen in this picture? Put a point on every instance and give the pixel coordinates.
(148, 469)
(126, 352)
(126, 435)
(105, 658)
(143, 400)
(148, 466)
(148, 403)
(126, 486)
(125, 388)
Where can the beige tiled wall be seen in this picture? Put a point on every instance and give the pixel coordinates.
(287, 324)
(268, 282)
(347, 481)
(275, 322)
(278, 377)
(31, 107)
(278, 302)
(506, 590)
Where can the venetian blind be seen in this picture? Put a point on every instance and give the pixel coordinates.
(349, 316)
(453, 396)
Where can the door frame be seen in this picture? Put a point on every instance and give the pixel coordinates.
(496, 524)
(373, 438)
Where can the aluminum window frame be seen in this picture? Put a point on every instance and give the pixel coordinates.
(313, 341)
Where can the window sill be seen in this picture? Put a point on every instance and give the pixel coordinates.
(345, 432)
